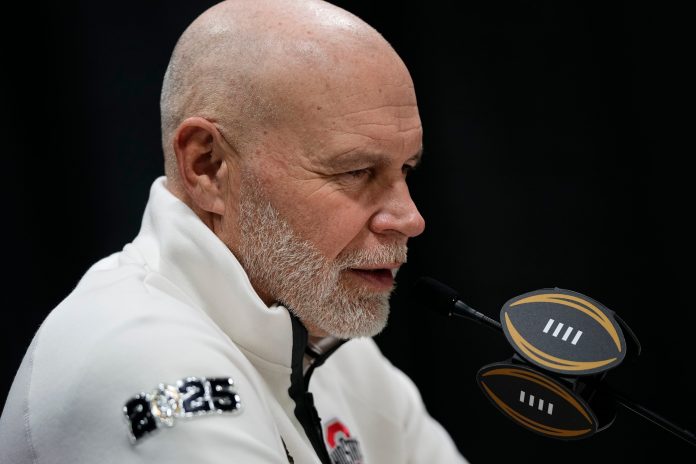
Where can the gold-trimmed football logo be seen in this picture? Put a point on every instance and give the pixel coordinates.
(563, 332)
(537, 401)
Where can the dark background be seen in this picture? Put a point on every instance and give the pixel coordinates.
(554, 156)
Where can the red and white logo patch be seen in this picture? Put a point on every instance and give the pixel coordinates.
(343, 448)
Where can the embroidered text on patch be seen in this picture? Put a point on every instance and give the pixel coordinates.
(192, 396)
(343, 449)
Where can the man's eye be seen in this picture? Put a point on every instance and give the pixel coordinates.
(358, 173)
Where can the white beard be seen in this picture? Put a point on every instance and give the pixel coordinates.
(293, 272)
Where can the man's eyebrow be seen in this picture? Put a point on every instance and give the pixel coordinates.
(353, 158)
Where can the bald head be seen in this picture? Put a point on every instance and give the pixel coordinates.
(289, 127)
(248, 65)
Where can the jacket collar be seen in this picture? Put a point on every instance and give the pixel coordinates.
(178, 245)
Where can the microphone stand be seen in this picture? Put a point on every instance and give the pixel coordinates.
(652, 416)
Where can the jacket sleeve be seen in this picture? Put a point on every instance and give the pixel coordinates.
(80, 380)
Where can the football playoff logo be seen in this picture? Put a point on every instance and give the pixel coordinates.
(564, 332)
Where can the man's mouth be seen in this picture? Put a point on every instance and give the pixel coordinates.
(380, 279)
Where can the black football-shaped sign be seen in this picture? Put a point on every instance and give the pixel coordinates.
(537, 402)
(563, 331)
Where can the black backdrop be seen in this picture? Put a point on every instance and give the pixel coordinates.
(553, 158)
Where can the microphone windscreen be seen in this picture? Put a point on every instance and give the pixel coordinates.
(436, 295)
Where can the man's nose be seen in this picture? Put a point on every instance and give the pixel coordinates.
(399, 214)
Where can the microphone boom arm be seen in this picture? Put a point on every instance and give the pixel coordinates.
(461, 309)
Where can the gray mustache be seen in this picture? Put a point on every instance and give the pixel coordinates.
(383, 254)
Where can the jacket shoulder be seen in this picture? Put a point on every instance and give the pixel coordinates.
(124, 331)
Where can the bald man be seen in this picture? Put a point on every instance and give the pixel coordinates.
(266, 258)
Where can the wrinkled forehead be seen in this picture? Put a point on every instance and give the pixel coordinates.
(366, 114)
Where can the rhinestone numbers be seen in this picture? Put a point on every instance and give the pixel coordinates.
(192, 396)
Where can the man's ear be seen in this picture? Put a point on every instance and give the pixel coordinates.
(202, 164)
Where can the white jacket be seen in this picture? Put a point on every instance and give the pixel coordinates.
(174, 304)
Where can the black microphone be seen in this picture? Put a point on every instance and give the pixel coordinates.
(445, 300)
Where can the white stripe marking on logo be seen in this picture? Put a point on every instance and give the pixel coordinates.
(548, 326)
(558, 329)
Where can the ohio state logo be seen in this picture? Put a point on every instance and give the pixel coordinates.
(343, 449)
